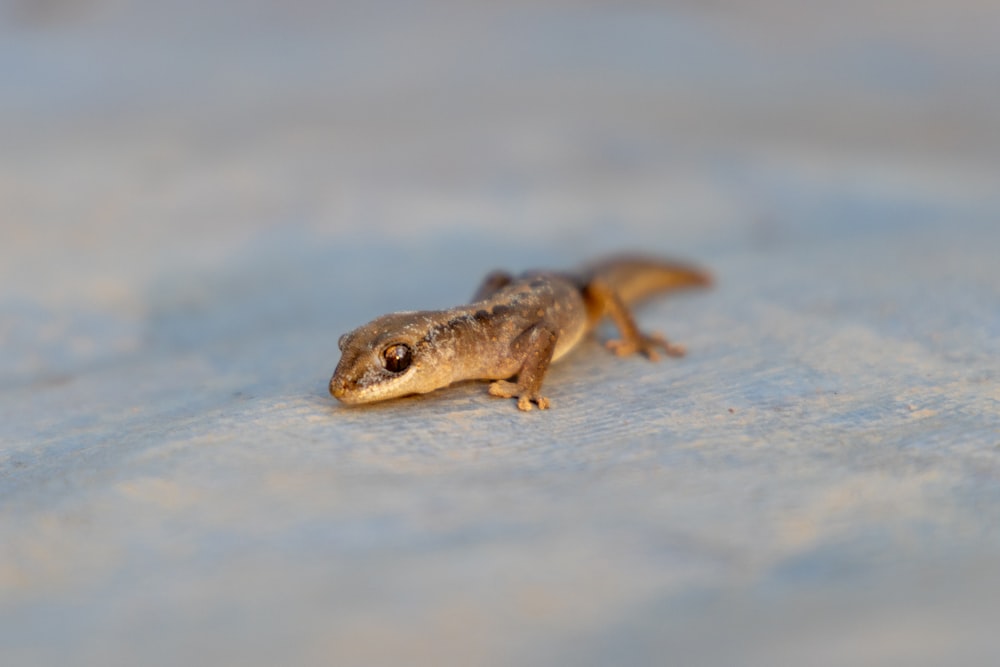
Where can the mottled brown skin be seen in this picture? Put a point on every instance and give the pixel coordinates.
(514, 328)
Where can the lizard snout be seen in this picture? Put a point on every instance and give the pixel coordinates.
(337, 387)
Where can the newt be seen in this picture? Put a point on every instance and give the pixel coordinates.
(510, 332)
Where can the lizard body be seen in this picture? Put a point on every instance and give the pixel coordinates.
(515, 326)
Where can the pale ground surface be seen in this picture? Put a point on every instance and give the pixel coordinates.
(195, 203)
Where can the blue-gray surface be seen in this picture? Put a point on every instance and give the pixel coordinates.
(197, 198)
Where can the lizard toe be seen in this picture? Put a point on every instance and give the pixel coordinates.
(503, 389)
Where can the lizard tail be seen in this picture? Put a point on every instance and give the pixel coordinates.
(634, 277)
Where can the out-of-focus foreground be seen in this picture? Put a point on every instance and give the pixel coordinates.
(198, 198)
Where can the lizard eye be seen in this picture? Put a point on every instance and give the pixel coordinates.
(397, 358)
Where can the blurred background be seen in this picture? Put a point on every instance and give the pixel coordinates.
(198, 198)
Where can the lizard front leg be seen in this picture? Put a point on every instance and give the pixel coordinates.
(535, 346)
(602, 299)
(491, 284)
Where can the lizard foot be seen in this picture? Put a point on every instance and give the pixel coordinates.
(505, 389)
(647, 346)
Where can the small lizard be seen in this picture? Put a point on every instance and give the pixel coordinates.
(515, 326)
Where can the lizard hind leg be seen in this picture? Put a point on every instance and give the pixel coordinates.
(537, 345)
(604, 300)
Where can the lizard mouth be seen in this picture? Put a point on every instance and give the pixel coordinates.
(347, 391)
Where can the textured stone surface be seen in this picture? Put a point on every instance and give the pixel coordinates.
(197, 199)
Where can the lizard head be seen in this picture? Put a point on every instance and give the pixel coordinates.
(391, 356)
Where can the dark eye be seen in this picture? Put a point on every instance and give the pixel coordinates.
(396, 358)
